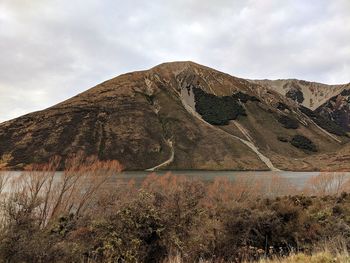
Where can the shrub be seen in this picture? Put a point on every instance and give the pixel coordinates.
(304, 143)
(245, 219)
(288, 122)
(37, 213)
(217, 110)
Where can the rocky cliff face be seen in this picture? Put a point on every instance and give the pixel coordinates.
(177, 115)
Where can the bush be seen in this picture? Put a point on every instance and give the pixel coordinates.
(217, 110)
(173, 216)
(288, 123)
(304, 143)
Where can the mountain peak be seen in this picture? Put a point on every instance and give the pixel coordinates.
(177, 115)
(181, 65)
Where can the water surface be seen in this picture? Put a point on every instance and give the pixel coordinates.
(296, 178)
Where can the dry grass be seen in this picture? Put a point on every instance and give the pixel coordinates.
(78, 217)
(320, 257)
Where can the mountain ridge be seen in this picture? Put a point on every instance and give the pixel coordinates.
(314, 94)
(179, 114)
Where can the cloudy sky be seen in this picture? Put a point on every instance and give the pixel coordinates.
(51, 50)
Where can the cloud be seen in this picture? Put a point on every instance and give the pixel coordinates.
(52, 50)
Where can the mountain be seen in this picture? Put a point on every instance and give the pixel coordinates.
(309, 94)
(330, 101)
(180, 115)
(337, 108)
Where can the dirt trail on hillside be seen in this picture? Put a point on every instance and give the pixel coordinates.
(167, 162)
(249, 143)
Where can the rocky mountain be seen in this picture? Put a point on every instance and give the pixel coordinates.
(337, 109)
(309, 94)
(329, 101)
(180, 115)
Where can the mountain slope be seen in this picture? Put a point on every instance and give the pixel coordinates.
(337, 109)
(308, 94)
(177, 115)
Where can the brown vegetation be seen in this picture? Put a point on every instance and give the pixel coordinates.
(85, 215)
(131, 118)
(328, 183)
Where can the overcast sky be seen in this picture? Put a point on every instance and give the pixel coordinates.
(51, 50)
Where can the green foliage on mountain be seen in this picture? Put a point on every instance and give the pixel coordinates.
(217, 110)
(288, 122)
(324, 123)
(304, 143)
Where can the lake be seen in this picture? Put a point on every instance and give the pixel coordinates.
(296, 178)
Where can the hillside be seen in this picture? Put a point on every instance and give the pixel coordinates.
(178, 115)
(309, 94)
(337, 109)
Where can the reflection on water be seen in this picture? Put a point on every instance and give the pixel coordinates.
(296, 178)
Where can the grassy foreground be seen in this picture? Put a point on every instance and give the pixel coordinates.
(324, 257)
(320, 257)
(88, 215)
